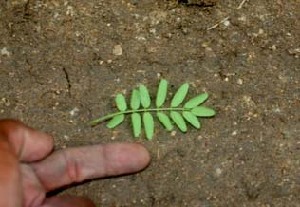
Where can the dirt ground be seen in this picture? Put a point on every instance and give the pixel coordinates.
(62, 62)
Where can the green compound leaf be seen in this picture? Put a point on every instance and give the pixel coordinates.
(145, 97)
(115, 121)
(165, 120)
(179, 121)
(142, 114)
(191, 118)
(180, 95)
(196, 101)
(121, 103)
(149, 125)
(136, 121)
(203, 111)
(161, 93)
(135, 100)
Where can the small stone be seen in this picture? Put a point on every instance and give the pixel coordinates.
(242, 18)
(184, 30)
(218, 171)
(152, 30)
(5, 101)
(74, 111)
(260, 31)
(240, 81)
(4, 51)
(70, 11)
(273, 47)
(173, 133)
(117, 50)
(234, 133)
(226, 23)
(66, 137)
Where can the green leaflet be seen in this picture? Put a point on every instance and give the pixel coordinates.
(179, 121)
(196, 101)
(115, 121)
(149, 125)
(168, 115)
(165, 120)
(191, 118)
(161, 93)
(145, 97)
(180, 95)
(136, 121)
(120, 102)
(203, 111)
(135, 100)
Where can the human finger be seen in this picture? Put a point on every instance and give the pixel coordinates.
(67, 201)
(10, 179)
(28, 144)
(77, 164)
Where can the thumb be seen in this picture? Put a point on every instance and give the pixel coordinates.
(10, 189)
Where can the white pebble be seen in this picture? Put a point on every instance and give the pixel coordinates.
(226, 23)
(4, 51)
(218, 171)
(74, 111)
(240, 81)
(173, 133)
(117, 50)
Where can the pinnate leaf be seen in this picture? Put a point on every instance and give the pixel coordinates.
(196, 101)
(149, 125)
(145, 97)
(180, 95)
(165, 120)
(161, 93)
(179, 121)
(203, 111)
(141, 113)
(136, 121)
(120, 102)
(135, 100)
(115, 121)
(191, 118)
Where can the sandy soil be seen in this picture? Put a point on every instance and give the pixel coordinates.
(62, 62)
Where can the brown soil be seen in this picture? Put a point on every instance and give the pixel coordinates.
(59, 69)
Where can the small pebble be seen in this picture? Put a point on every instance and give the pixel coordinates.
(226, 23)
(218, 171)
(173, 133)
(234, 133)
(4, 51)
(117, 50)
(240, 81)
(74, 111)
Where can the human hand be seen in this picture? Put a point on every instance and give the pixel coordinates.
(29, 168)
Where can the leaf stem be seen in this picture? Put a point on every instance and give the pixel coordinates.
(109, 116)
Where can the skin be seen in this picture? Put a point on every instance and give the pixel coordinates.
(29, 168)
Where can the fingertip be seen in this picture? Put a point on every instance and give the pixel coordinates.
(123, 158)
(28, 143)
(40, 143)
(142, 155)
